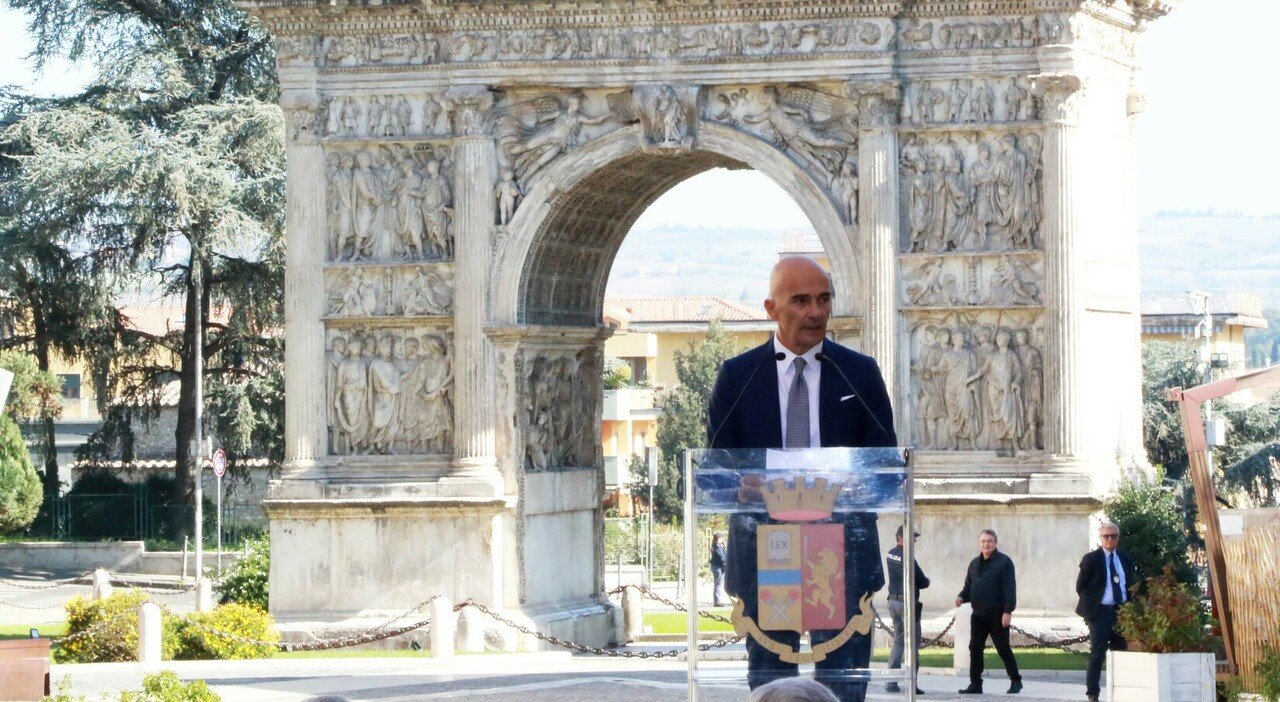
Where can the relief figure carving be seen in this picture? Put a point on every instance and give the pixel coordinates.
(390, 393)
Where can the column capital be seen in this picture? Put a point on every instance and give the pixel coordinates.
(1060, 93)
(469, 108)
(878, 102)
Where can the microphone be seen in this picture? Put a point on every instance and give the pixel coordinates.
(725, 420)
(822, 357)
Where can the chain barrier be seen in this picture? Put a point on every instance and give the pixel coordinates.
(596, 650)
(1040, 641)
(47, 585)
(1060, 644)
(367, 636)
(162, 591)
(382, 631)
(644, 590)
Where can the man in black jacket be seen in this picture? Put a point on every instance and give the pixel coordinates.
(990, 586)
(897, 608)
(1103, 585)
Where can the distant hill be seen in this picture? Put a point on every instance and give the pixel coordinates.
(1179, 253)
(1213, 253)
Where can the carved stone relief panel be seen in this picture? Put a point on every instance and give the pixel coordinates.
(978, 100)
(390, 203)
(383, 116)
(971, 191)
(917, 34)
(1002, 280)
(763, 39)
(977, 381)
(561, 392)
(816, 126)
(534, 128)
(402, 290)
(389, 391)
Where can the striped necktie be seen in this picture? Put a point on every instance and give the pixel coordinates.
(798, 408)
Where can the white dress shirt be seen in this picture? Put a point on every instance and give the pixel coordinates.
(1107, 598)
(812, 374)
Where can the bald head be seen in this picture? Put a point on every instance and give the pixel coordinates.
(800, 302)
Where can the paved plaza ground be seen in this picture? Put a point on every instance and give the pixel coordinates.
(525, 677)
(541, 677)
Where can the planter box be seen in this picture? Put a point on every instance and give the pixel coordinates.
(1160, 677)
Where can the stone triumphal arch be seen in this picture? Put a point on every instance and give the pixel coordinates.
(461, 175)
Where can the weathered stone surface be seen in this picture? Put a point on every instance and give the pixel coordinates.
(462, 173)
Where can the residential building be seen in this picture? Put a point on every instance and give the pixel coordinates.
(647, 331)
(1171, 317)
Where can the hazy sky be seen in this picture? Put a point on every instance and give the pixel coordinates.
(1208, 138)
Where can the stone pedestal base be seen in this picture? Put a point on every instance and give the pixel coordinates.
(349, 554)
(1042, 511)
(344, 550)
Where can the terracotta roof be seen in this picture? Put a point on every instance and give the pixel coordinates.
(680, 309)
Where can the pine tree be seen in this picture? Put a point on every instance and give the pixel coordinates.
(171, 165)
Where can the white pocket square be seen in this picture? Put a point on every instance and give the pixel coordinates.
(847, 397)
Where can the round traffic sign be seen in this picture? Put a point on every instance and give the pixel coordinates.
(219, 462)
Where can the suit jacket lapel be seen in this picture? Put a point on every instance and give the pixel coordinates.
(829, 386)
(765, 393)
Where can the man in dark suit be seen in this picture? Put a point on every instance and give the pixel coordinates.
(801, 390)
(1103, 585)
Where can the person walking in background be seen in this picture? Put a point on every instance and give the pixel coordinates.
(897, 607)
(991, 587)
(1103, 585)
(717, 567)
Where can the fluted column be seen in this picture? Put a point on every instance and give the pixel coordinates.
(305, 413)
(1064, 202)
(474, 179)
(878, 224)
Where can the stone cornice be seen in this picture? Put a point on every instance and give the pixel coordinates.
(312, 15)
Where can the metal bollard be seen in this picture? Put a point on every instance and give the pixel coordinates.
(470, 630)
(442, 628)
(149, 633)
(963, 632)
(204, 595)
(101, 585)
(633, 612)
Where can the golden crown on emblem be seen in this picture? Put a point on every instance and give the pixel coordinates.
(800, 501)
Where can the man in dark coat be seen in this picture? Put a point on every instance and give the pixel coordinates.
(752, 407)
(1106, 575)
(897, 606)
(991, 587)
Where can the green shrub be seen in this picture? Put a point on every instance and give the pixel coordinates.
(1151, 530)
(1267, 673)
(106, 631)
(20, 490)
(1165, 617)
(199, 643)
(157, 687)
(247, 581)
(166, 687)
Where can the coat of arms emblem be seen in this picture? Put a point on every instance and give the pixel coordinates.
(800, 571)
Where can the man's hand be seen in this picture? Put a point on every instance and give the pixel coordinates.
(749, 490)
(959, 601)
(1006, 619)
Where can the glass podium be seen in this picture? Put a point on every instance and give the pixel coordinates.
(800, 534)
